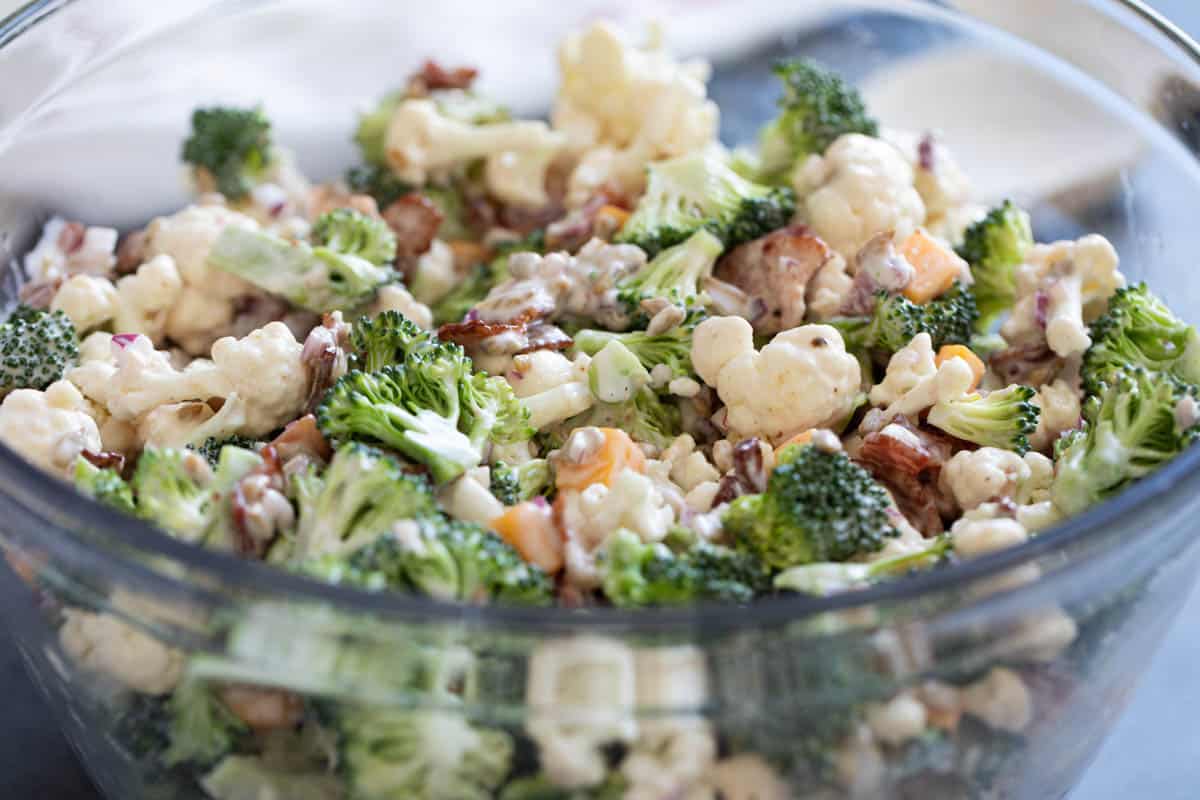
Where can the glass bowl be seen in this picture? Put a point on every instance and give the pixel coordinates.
(996, 678)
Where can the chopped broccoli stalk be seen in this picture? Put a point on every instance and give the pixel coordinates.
(615, 374)
(994, 247)
(371, 133)
(253, 778)
(640, 574)
(319, 279)
(1003, 418)
(824, 579)
(950, 319)
(674, 274)
(672, 347)
(389, 338)
(351, 232)
(233, 145)
(202, 729)
(174, 491)
(423, 755)
(646, 417)
(698, 191)
(1139, 330)
(441, 558)
(211, 447)
(817, 107)
(512, 485)
(1131, 427)
(104, 485)
(818, 506)
(36, 349)
(379, 183)
(360, 496)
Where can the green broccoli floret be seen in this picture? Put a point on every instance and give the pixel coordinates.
(950, 319)
(232, 144)
(371, 132)
(174, 491)
(104, 485)
(244, 777)
(698, 191)
(512, 485)
(211, 447)
(441, 558)
(1131, 428)
(994, 247)
(36, 348)
(387, 339)
(202, 729)
(1139, 330)
(818, 506)
(455, 213)
(823, 579)
(379, 182)
(319, 279)
(646, 418)
(420, 755)
(1003, 418)
(433, 408)
(351, 232)
(359, 496)
(817, 107)
(674, 274)
(640, 574)
(672, 347)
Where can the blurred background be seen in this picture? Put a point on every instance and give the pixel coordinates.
(1153, 753)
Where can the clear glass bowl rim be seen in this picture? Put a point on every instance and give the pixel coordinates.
(38, 494)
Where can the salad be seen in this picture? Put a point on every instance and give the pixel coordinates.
(600, 361)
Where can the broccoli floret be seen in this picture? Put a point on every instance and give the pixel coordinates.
(242, 777)
(674, 274)
(950, 319)
(104, 485)
(512, 485)
(379, 182)
(433, 408)
(455, 213)
(371, 132)
(422, 755)
(994, 247)
(823, 579)
(817, 107)
(358, 497)
(1139, 330)
(232, 144)
(36, 348)
(174, 491)
(319, 279)
(351, 232)
(640, 574)
(818, 506)
(672, 347)
(202, 729)
(1131, 427)
(698, 191)
(211, 447)
(646, 417)
(388, 338)
(1003, 418)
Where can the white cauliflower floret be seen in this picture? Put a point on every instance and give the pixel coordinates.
(264, 369)
(914, 382)
(1060, 289)
(105, 644)
(88, 300)
(580, 692)
(908, 367)
(49, 429)
(1061, 410)
(622, 107)
(861, 187)
(70, 248)
(205, 307)
(421, 141)
(541, 371)
(191, 422)
(975, 477)
(747, 777)
(394, 297)
(435, 273)
(96, 346)
(146, 297)
(943, 185)
(140, 378)
(974, 537)
(829, 289)
(802, 379)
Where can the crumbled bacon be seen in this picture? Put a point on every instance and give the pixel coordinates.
(131, 251)
(432, 76)
(302, 437)
(909, 467)
(415, 220)
(521, 335)
(252, 522)
(1033, 364)
(105, 459)
(578, 227)
(527, 220)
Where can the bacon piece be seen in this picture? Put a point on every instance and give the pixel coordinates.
(415, 220)
(544, 336)
(473, 332)
(521, 335)
(106, 459)
(131, 251)
(909, 467)
(775, 270)
(432, 76)
(302, 437)
(1033, 364)
(575, 229)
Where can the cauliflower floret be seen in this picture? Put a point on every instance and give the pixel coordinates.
(541, 371)
(420, 140)
(205, 306)
(146, 297)
(96, 346)
(860, 187)
(974, 537)
(975, 477)
(105, 644)
(49, 429)
(1060, 289)
(1061, 411)
(622, 107)
(435, 273)
(802, 379)
(89, 301)
(747, 777)
(71, 248)
(829, 289)
(192, 422)
(394, 297)
(139, 378)
(943, 185)
(914, 382)
(686, 466)
(265, 370)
